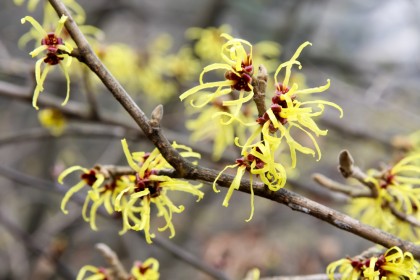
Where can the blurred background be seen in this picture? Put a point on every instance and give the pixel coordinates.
(369, 50)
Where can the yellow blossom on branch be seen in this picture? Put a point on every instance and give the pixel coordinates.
(287, 112)
(56, 53)
(397, 194)
(238, 74)
(208, 41)
(98, 273)
(393, 264)
(152, 188)
(99, 193)
(147, 270)
(53, 120)
(259, 162)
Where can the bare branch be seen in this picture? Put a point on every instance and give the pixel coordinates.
(33, 246)
(352, 191)
(348, 169)
(403, 216)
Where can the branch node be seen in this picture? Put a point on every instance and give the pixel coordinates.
(156, 116)
(346, 162)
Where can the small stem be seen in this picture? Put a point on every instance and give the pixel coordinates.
(348, 169)
(403, 216)
(352, 191)
(259, 86)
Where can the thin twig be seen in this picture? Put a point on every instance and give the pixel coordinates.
(348, 169)
(352, 191)
(77, 132)
(33, 246)
(90, 95)
(403, 216)
(77, 111)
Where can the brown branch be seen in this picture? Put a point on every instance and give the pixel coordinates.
(90, 95)
(259, 86)
(187, 170)
(348, 169)
(302, 204)
(33, 246)
(79, 132)
(403, 216)
(352, 191)
(77, 111)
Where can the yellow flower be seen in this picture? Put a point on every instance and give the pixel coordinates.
(56, 54)
(345, 268)
(98, 273)
(31, 3)
(287, 112)
(238, 74)
(148, 270)
(99, 194)
(208, 41)
(259, 161)
(396, 189)
(182, 65)
(393, 264)
(53, 120)
(151, 188)
(215, 122)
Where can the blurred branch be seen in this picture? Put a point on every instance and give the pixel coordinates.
(78, 132)
(77, 111)
(90, 95)
(352, 191)
(186, 169)
(32, 245)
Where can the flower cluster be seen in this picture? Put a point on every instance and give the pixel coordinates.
(147, 270)
(395, 207)
(55, 52)
(393, 264)
(263, 135)
(210, 46)
(133, 194)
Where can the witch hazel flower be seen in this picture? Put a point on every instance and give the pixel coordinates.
(238, 76)
(288, 112)
(102, 191)
(396, 193)
(152, 188)
(56, 52)
(393, 264)
(259, 163)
